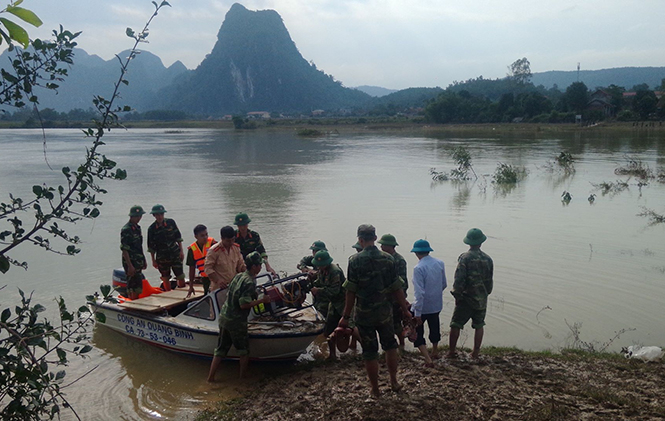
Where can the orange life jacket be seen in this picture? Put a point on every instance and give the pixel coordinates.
(200, 256)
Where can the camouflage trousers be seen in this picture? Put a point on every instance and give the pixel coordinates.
(332, 320)
(463, 312)
(369, 342)
(232, 335)
(166, 265)
(322, 307)
(134, 283)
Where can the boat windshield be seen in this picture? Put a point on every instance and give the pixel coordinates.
(221, 294)
(202, 310)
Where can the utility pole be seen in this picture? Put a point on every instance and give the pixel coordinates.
(578, 71)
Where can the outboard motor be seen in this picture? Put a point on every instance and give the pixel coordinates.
(294, 292)
(120, 281)
(289, 292)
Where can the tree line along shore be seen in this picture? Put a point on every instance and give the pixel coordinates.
(332, 127)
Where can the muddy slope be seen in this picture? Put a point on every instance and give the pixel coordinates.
(505, 384)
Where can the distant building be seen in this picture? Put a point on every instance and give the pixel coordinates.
(630, 95)
(601, 101)
(317, 113)
(258, 114)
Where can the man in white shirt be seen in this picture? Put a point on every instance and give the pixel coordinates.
(429, 281)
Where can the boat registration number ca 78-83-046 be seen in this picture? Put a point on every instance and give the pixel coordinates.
(153, 331)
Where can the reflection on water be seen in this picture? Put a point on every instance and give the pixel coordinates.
(461, 198)
(560, 180)
(162, 384)
(598, 265)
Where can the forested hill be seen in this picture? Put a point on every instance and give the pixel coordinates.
(91, 75)
(375, 91)
(255, 66)
(409, 97)
(626, 77)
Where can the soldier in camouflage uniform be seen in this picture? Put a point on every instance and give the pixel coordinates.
(133, 259)
(473, 283)
(388, 243)
(328, 289)
(233, 330)
(249, 240)
(165, 247)
(356, 336)
(371, 280)
(306, 262)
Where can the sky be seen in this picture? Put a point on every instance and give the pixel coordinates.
(395, 44)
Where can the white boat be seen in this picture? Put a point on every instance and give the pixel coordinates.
(281, 331)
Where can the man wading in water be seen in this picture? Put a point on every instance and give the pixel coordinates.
(233, 315)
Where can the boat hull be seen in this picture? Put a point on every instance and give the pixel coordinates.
(266, 343)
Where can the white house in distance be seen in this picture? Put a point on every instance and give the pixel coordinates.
(258, 114)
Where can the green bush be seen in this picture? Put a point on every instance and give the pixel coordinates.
(540, 118)
(626, 115)
(595, 115)
(310, 133)
(565, 161)
(508, 174)
(463, 159)
(243, 123)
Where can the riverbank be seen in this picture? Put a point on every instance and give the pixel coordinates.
(505, 383)
(321, 127)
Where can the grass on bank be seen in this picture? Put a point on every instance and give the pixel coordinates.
(368, 124)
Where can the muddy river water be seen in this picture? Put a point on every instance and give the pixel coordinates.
(596, 268)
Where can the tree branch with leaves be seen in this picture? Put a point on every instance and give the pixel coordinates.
(30, 345)
(78, 198)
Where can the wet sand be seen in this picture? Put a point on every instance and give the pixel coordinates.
(502, 384)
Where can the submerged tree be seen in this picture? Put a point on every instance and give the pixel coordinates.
(654, 217)
(463, 159)
(508, 174)
(564, 162)
(635, 168)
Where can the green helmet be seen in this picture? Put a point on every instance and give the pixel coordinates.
(474, 237)
(366, 232)
(388, 240)
(242, 219)
(357, 246)
(136, 210)
(253, 258)
(421, 246)
(157, 209)
(318, 246)
(321, 258)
